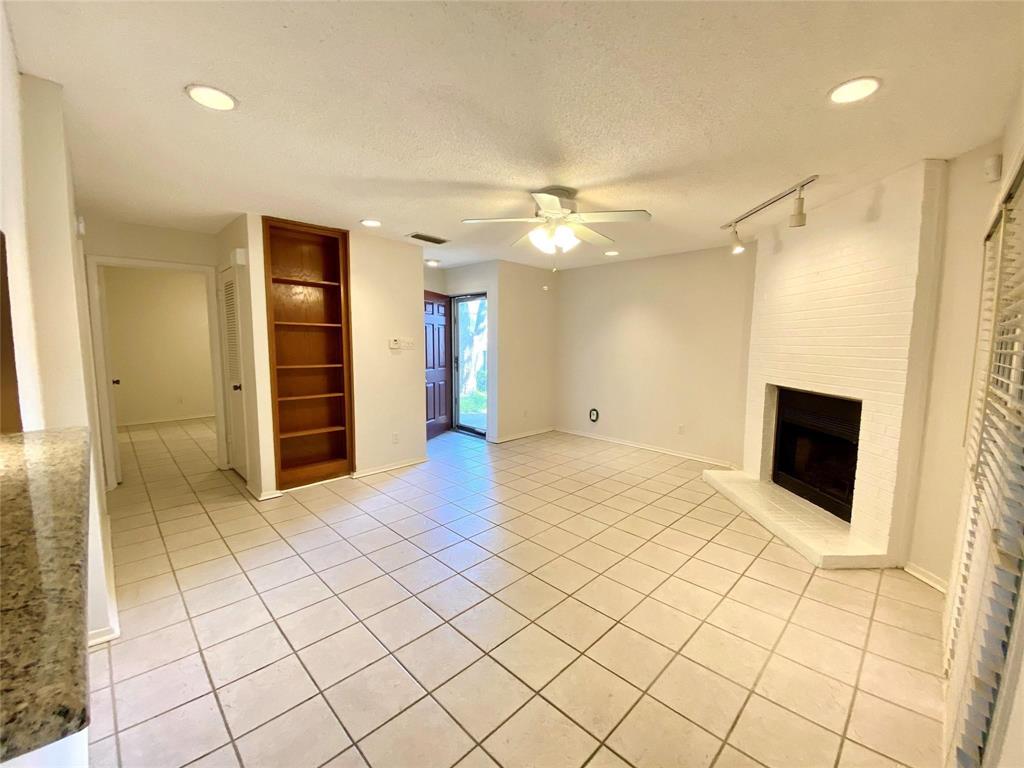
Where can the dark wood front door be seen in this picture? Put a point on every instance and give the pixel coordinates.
(437, 346)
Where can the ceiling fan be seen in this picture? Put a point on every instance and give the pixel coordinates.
(562, 227)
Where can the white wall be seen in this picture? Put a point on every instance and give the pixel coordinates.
(521, 332)
(158, 344)
(107, 237)
(387, 301)
(55, 307)
(259, 414)
(527, 330)
(844, 306)
(12, 222)
(970, 199)
(52, 246)
(434, 280)
(656, 344)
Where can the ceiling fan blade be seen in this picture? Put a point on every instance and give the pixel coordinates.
(586, 233)
(602, 217)
(524, 239)
(547, 203)
(530, 220)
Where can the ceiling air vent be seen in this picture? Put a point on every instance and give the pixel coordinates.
(427, 238)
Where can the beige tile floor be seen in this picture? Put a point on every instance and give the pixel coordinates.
(554, 601)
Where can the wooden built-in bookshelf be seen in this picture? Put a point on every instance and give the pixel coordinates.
(310, 350)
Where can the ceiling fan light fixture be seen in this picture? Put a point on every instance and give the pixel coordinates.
(542, 240)
(737, 244)
(564, 238)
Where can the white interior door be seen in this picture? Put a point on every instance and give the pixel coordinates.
(227, 290)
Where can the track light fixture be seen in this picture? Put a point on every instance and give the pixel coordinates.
(737, 244)
(798, 218)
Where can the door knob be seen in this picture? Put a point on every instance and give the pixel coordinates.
(236, 387)
(116, 381)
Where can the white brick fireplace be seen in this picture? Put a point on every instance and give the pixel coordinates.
(846, 307)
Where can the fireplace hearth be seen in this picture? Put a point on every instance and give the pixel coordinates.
(815, 455)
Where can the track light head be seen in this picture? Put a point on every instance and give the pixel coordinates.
(798, 218)
(737, 244)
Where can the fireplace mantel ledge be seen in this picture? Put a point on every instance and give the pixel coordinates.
(819, 536)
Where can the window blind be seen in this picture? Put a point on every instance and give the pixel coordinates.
(986, 589)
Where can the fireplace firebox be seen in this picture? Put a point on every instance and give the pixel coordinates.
(816, 448)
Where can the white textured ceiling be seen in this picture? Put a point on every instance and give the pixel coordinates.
(421, 114)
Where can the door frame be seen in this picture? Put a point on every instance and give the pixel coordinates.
(98, 323)
(449, 368)
(454, 300)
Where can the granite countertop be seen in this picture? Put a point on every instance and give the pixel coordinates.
(44, 513)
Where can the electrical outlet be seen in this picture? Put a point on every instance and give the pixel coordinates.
(680, 429)
(394, 438)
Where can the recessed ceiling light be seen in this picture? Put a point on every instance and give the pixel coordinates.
(611, 253)
(210, 97)
(432, 263)
(854, 90)
(370, 223)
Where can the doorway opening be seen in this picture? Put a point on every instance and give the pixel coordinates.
(157, 346)
(470, 363)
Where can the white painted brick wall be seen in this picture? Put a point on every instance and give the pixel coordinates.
(833, 305)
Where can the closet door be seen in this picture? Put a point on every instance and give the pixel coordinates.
(227, 285)
(310, 350)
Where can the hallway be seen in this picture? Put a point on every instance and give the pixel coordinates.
(432, 604)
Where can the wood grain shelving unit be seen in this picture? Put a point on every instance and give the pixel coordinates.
(310, 350)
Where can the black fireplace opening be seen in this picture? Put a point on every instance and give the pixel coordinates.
(816, 448)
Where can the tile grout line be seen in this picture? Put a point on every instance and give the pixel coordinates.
(492, 554)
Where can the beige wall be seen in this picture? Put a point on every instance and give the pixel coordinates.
(970, 200)
(657, 345)
(107, 237)
(158, 344)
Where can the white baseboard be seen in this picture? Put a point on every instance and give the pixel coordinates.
(927, 577)
(388, 467)
(521, 435)
(103, 635)
(647, 447)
